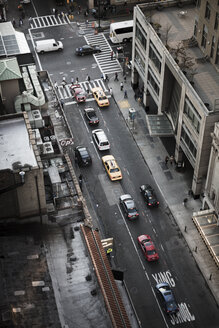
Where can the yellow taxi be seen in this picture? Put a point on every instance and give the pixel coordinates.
(100, 97)
(112, 167)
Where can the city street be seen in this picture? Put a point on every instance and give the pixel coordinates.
(176, 264)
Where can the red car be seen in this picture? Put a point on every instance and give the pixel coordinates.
(148, 248)
(78, 93)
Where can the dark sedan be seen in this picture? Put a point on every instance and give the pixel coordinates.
(166, 295)
(87, 50)
(82, 156)
(149, 195)
(91, 116)
(128, 205)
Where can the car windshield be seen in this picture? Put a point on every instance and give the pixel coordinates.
(152, 252)
(114, 170)
(132, 210)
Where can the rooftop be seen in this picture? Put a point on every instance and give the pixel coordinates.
(176, 26)
(15, 146)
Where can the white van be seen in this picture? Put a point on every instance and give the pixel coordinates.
(48, 45)
(100, 139)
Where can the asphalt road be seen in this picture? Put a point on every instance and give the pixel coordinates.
(176, 264)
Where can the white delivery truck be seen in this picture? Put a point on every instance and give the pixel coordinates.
(48, 45)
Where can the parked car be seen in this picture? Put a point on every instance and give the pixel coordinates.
(91, 116)
(78, 93)
(148, 248)
(100, 97)
(112, 168)
(87, 50)
(149, 195)
(82, 156)
(167, 297)
(100, 139)
(128, 205)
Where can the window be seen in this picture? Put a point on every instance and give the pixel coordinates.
(204, 36)
(140, 62)
(141, 37)
(192, 114)
(155, 57)
(190, 144)
(216, 21)
(198, 2)
(212, 46)
(195, 27)
(153, 83)
(207, 11)
(217, 54)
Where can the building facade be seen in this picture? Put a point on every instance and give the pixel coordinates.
(206, 29)
(169, 88)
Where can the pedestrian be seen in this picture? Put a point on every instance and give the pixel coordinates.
(171, 159)
(111, 55)
(139, 101)
(29, 20)
(62, 103)
(102, 76)
(121, 86)
(77, 80)
(185, 200)
(80, 178)
(111, 91)
(53, 11)
(63, 83)
(166, 159)
(88, 90)
(56, 85)
(106, 78)
(125, 94)
(72, 80)
(20, 22)
(124, 77)
(116, 77)
(87, 22)
(13, 22)
(88, 78)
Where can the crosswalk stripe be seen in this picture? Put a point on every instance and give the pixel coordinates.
(65, 92)
(49, 20)
(103, 59)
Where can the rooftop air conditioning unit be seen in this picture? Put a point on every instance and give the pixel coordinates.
(48, 148)
(37, 117)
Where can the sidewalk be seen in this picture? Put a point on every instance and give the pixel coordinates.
(168, 181)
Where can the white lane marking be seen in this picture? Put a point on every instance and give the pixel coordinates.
(95, 149)
(37, 57)
(130, 235)
(84, 121)
(162, 247)
(145, 272)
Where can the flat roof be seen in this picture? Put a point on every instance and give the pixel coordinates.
(180, 22)
(15, 144)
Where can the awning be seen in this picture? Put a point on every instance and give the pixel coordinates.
(208, 226)
(159, 126)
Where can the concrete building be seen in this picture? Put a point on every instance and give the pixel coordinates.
(211, 200)
(178, 86)
(22, 191)
(206, 29)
